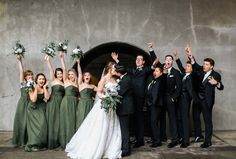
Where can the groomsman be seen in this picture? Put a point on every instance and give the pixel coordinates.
(210, 80)
(154, 103)
(172, 88)
(126, 108)
(139, 76)
(186, 96)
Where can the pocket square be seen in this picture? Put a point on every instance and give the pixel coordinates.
(171, 76)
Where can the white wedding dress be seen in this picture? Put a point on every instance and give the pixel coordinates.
(99, 135)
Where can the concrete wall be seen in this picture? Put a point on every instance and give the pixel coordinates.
(209, 26)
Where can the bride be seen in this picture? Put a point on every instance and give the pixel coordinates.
(99, 136)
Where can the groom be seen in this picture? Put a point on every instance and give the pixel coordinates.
(126, 108)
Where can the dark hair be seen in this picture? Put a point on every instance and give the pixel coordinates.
(27, 73)
(188, 62)
(57, 70)
(108, 66)
(210, 60)
(159, 67)
(169, 56)
(37, 76)
(120, 68)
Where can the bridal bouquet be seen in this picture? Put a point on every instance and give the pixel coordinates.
(50, 49)
(77, 53)
(63, 46)
(19, 49)
(29, 85)
(112, 99)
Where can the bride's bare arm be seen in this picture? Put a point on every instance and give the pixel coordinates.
(101, 84)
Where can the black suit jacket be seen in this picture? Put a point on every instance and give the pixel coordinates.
(209, 88)
(173, 84)
(187, 84)
(126, 107)
(139, 78)
(155, 93)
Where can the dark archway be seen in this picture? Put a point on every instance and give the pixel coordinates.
(95, 59)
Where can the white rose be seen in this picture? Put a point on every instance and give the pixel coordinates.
(19, 50)
(75, 51)
(50, 50)
(64, 47)
(60, 44)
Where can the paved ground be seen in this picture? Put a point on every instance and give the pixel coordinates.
(224, 147)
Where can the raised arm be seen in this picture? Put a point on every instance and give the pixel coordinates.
(61, 54)
(51, 72)
(101, 84)
(19, 59)
(114, 56)
(196, 66)
(80, 74)
(151, 51)
(178, 61)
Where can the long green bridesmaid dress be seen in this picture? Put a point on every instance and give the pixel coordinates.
(68, 115)
(84, 106)
(36, 124)
(19, 129)
(52, 115)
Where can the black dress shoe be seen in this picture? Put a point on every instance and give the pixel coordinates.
(184, 145)
(205, 145)
(125, 154)
(172, 144)
(155, 145)
(137, 145)
(198, 139)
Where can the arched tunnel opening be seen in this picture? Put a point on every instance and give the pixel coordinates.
(95, 60)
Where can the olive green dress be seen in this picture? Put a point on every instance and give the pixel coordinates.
(68, 115)
(52, 115)
(84, 106)
(19, 129)
(37, 123)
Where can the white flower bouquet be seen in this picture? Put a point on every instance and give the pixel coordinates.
(29, 85)
(62, 46)
(19, 49)
(50, 49)
(77, 53)
(111, 100)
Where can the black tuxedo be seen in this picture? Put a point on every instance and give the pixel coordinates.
(206, 95)
(125, 109)
(139, 84)
(154, 103)
(171, 93)
(187, 94)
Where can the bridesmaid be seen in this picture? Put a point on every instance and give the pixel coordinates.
(68, 105)
(36, 116)
(86, 91)
(53, 105)
(19, 129)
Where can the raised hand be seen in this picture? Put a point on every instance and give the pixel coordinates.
(175, 53)
(150, 46)
(46, 58)
(114, 56)
(78, 60)
(45, 85)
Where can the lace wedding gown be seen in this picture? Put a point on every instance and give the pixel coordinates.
(99, 135)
